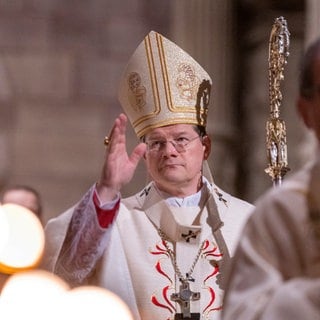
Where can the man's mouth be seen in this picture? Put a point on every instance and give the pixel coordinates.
(170, 165)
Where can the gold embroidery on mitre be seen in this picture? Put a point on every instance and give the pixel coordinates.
(136, 92)
(172, 105)
(154, 90)
(163, 85)
(187, 82)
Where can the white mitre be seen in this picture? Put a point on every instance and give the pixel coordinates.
(163, 85)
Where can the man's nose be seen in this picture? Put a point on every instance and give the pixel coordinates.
(169, 147)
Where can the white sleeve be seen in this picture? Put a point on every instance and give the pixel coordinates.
(75, 242)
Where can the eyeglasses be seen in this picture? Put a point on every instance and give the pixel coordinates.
(179, 144)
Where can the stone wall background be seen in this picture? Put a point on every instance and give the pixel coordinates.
(60, 63)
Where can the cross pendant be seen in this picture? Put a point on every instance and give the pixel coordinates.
(184, 297)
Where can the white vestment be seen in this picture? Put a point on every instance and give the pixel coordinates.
(276, 271)
(130, 258)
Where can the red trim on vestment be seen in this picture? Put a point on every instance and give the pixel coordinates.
(105, 217)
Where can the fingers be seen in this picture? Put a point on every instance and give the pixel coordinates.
(117, 133)
(119, 167)
(116, 140)
(119, 124)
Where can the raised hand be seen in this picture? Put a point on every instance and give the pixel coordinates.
(119, 167)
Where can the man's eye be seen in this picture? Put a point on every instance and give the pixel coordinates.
(182, 140)
(155, 144)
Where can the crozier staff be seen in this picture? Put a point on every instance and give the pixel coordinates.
(276, 273)
(164, 250)
(276, 140)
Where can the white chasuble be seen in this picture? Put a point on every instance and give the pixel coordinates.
(142, 264)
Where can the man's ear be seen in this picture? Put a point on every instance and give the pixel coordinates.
(206, 141)
(304, 107)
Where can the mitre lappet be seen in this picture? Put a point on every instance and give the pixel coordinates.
(163, 85)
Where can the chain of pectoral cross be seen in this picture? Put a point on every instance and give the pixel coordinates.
(185, 295)
(172, 255)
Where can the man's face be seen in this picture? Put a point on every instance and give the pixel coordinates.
(23, 198)
(176, 172)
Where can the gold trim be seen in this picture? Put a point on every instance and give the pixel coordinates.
(164, 72)
(154, 84)
(168, 122)
(152, 69)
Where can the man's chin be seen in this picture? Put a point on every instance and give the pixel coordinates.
(172, 179)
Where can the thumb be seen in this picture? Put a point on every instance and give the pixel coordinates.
(137, 153)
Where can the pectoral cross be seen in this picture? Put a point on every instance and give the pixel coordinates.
(190, 235)
(184, 297)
